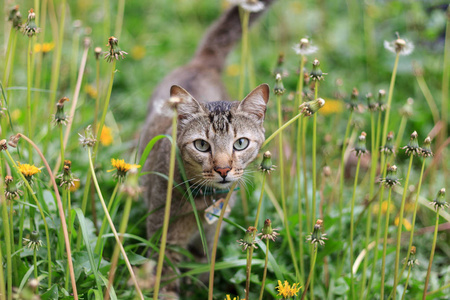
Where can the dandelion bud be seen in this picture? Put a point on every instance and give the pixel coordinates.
(280, 69)
(33, 242)
(391, 177)
(97, 52)
(13, 140)
(15, 17)
(268, 232)
(389, 148)
(412, 261)
(311, 107)
(439, 202)
(266, 164)
(88, 139)
(11, 190)
(380, 100)
(316, 73)
(407, 109)
(114, 52)
(426, 148)
(249, 239)
(67, 179)
(360, 147)
(371, 104)
(316, 237)
(278, 88)
(353, 104)
(60, 118)
(413, 146)
(252, 6)
(30, 28)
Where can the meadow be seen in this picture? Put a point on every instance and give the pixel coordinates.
(352, 175)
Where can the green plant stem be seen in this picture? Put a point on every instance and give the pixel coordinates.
(21, 221)
(2, 275)
(406, 283)
(263, 282)
(11, 226)
(373, 169)
(413, 222)
(97, 99)
(299, 145)
(8, 56)
(61, 215)
(433, 248)
(29, 79)
(122, 228)
(439, 289)
(428, 97)
(35, 264)
(400, 226)
(260, 199)
(311, 272)
(119, 18)
(162, 249)
(386, 230)
(401, 131)
(282, 187)
(248, 272)
(61, 140)
(445, 81)
(279, 130)
(391, 92)
(314, 159)
(216, 240)
(341, 173)
(99, 245)
(244, 22)
(111, 224)
(305, 174)
(41, 211)
(7, 235)
(352, 228)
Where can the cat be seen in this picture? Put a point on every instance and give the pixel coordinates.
(217, 138)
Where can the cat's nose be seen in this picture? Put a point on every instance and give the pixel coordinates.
(223, 172)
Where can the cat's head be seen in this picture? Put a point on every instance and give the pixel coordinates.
(217, 140)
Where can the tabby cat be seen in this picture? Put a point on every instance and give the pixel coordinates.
(217, 139)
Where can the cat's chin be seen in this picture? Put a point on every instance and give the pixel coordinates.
(222, 185)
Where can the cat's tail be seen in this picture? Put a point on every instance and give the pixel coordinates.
(222, 36)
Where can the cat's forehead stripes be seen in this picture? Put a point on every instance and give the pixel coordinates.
(219, 115)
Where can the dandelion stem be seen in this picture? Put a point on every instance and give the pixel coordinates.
(400, 226)
(248, 271)
(244, 22)
(283, 196)
(61, 215)
(162, 249)
(8, 56)
(352, 228)
(2, 276)
(406, 283)
(386, 230)
(445, 80)
(29, 79)
(263, 282)
(260, 199)
(115, 257)
(111, 224)
(413, 222)
(216, 240)
(401, 130)
(281, 129)
(35, 264)
(314, 157)
(433, 248)
(428, 97)
(6, 232)
(341, 174)
(305, 174)
(119, 18)
(311, 272)
(99, 245)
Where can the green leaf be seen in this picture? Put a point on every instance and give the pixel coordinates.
(51, 294)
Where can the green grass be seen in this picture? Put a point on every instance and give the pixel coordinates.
(162, 35)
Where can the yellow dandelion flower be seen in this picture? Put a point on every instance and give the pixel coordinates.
(138, 52)
(28, 170)
(15, 115)
(286, 290)
(332, 106)
(405, 222)
(75, 186)
(91, 91)
(122, 167)
(44, 48)
(106, 137)
(229, 298)
(233, 70)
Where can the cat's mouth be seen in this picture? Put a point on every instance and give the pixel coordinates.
(222, 184)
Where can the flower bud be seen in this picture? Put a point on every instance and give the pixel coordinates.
(278, 88)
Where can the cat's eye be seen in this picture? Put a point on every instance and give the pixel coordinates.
(241, 144)
(202, 145)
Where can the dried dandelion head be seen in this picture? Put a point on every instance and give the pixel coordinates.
(30, 28)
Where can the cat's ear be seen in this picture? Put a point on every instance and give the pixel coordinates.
(188, 105)
(255, 103)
